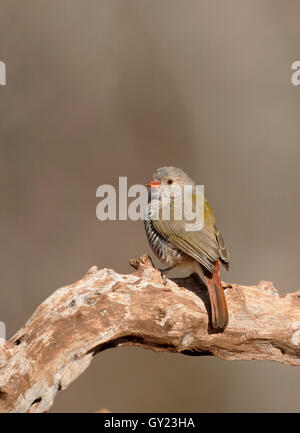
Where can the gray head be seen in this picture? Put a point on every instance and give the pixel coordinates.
(171, 176)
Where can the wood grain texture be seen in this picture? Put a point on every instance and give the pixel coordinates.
(106, 309)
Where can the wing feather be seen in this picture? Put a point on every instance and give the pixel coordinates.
(202, 245)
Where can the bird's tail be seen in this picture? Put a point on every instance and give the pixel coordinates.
(219, 312)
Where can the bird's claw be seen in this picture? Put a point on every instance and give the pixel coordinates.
(163, 273)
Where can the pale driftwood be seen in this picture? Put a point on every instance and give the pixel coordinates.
(105, 309)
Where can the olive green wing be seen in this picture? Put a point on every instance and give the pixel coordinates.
(224, 255)
(202, 245)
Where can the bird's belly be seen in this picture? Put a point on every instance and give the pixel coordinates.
(161, 247)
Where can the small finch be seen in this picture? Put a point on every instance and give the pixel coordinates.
(199, 251)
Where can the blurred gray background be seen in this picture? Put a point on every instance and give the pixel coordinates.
(98, 89)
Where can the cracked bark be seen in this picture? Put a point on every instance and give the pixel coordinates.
(105, 309)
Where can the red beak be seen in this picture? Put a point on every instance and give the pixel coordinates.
(154, 183)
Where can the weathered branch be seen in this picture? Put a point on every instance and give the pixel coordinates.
(105, 309)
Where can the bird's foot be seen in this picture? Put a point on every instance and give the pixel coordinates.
(163, 273)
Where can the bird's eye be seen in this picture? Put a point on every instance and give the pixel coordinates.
(170, 181)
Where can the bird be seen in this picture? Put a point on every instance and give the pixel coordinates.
(200, 251)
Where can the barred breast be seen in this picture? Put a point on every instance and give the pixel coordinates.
(161, 247)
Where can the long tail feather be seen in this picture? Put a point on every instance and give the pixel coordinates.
(219, 310)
